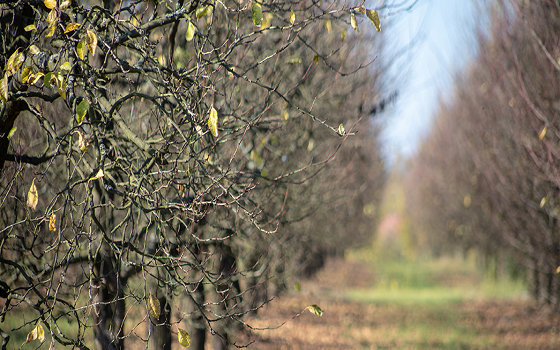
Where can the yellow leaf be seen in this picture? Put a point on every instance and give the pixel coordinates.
(328, 25)
(52, 18)
(190, 31)
(61, 86)
(161, 60)
(51, 31)
(37, 333)
(285, 115)
(26, 74)
(558, 270)
(70, 27)
(543, 202)
(341, 130)
(354, 23)
(91, 41)
(266, 21)
(316, 59)
(183, 337)
(294, 60)
(342, 34)
(81, 48)
(52, 222)
(213, 121)
(82, 142)
(35, 77)
(11, 133)
(65, 4)
(99, 175)
(292, 17)
(81, 110)
(14, 62)
(256, 14)
(29, 28)
(542, 133)
(32, 197)
(201, 12)
(374, 18)
(467, 201)
(66, 66)
(4, 88)
(154, 307)
(315, 309)
(50, 4)
(361, 9)
(34, 50)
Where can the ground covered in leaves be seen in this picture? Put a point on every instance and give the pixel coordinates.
(471, 323)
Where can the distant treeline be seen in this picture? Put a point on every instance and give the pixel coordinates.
(488, 176)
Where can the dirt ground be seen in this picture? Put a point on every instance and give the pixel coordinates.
(484, 324)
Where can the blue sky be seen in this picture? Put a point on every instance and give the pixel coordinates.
(440, 35)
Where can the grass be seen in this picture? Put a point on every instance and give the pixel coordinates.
(434, 281)
(428, 304)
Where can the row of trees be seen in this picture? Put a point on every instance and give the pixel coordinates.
(488, 175)
(168, 167)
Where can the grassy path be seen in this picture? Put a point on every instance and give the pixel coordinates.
(437, 305)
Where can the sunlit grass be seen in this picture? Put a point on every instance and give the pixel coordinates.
(426, 302)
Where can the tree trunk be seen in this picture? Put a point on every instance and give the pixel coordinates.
(197, 323)
(160, 329)
(109, 305)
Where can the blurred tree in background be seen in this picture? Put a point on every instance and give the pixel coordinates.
(488, 176)
(168, 167)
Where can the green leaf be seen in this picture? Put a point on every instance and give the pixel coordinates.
(47, 79)
(190, 31)
(374, 18)
(297, 287)
(183, 337)
(213, 121)
(81, 48)
(81, 110)
(256, 157)
(12, 132)
(342, 34)
(315, 309)
(256, 13)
